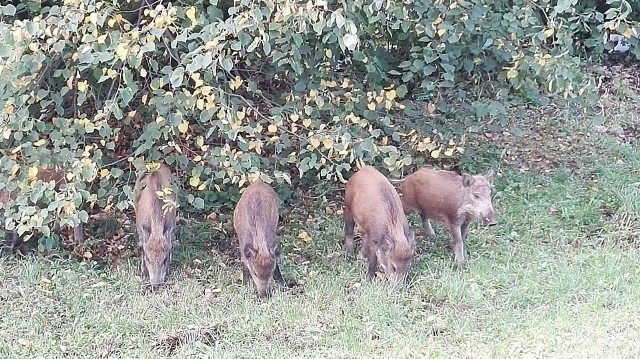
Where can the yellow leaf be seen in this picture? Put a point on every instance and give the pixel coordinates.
(9, 109)
(121, 52)
(294, 117)
(82, 86)
(6, 134)
(104, 173)
(512, 74)
(241, 115)
(14, 169)
(200, 104)
(143, 72)
(435, 153)
(328, 53)
(441, 32)
(449, 151)
(202, 186)
(327, 143)
(197, 158)
(153, 166)
(159, 120)
(371, 106)
(191, 14)
(391, 95)
(314, 142)
(304, 236)
(183, 127)
(93, 18)
(39, 143)
(33, 172)
(548, 32)
(111, 22)
(272, 128)
(102, 39)
(306, 122)
(194, 181)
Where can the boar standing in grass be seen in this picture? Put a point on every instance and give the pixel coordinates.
(447, 197)
(46, 175)
(373, 204)
(255, 220)
(155, 224)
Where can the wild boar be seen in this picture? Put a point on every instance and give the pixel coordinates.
(373, 204)
(46, 175)
(155, 225)
(255, 220)
(447, 197)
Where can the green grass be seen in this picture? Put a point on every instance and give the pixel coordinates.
(559, 277)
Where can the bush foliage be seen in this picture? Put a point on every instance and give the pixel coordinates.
(291, 90)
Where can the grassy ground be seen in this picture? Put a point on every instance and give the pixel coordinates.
(559, 277)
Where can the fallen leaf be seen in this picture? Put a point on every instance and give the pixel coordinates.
(304, 236)
(553, 209)
(24, 342)
(118, 298)
(212, 216)
(98, 285)
(44, 280)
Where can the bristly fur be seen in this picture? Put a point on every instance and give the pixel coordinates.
(372, 203)
(255, 220)
(154, 225)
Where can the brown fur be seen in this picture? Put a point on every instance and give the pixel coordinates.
(372, 203)
(154, 225)
(255, 220)
(45, 175)
(449, 198)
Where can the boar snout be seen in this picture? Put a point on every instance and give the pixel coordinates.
(490, 220)
(263, 288)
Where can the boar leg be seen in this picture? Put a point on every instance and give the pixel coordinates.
(372, 259)
(78, 234)
(349, 225)
(10, 238)
(145, 270)
(464, 229)
(277, 275)
(426, 224)
(372, 266)
(458, 243)
(246, 276)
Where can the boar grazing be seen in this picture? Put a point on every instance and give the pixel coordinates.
(450, 198)
(255, 220)
(46, 175)
(373, 204)
(155, 225)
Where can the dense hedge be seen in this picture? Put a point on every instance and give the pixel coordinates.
(290, 89)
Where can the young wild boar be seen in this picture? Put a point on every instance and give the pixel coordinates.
(447, 197)
(373, 203)
(46, 175)
(155, 225)
(255, 219)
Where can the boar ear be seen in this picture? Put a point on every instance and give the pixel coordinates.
(489, 176)
(467, 180)
(250, 251)
(387, 244)
(168, 228)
